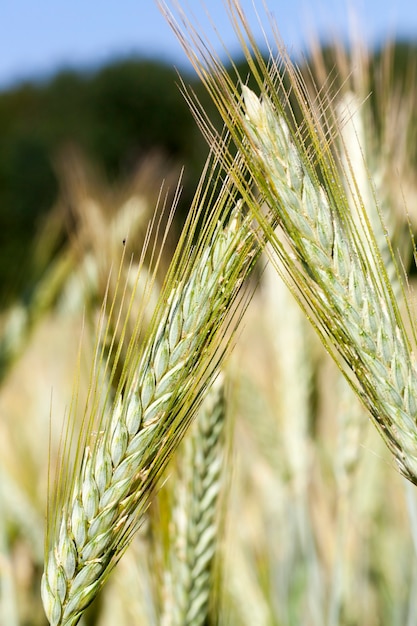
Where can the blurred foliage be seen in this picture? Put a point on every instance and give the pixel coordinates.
(115, 117)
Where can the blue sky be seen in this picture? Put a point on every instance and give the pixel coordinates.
(39, 36)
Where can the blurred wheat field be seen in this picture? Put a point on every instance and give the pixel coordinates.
(316, 512)
(315, 524)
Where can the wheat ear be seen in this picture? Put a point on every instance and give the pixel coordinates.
(103, 501)
(195, 515)
(343, 278)
(330, 257)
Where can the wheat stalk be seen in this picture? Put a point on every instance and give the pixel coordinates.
(330, 257)
(101, 504)
(347, 282)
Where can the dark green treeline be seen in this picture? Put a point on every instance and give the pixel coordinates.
(113, 116)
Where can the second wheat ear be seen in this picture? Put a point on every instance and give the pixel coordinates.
(329, 254)
(343, 280)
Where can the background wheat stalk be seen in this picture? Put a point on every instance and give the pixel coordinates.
(196, 514)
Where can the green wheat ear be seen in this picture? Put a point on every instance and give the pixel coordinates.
(321, 231)
(128, 438)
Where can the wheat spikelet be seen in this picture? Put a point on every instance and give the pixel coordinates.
(103, 501)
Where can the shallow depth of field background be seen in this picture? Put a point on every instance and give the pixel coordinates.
(320, 528)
